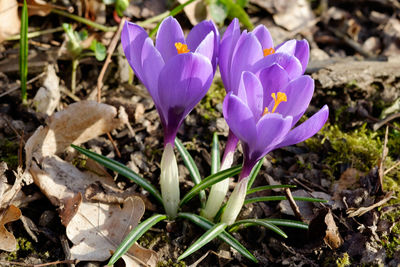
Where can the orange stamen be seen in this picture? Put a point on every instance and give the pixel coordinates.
(268, 51)
(266, 111)
(181, 48)
(278, 99)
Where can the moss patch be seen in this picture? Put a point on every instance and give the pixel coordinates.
(214, 96)
(9, 153)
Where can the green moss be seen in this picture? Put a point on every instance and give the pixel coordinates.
(9, 152)
(344, 261)
(214, 96)
(360, 148)
(170, 263)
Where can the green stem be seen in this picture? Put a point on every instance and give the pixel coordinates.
(75, 63)
(35, 34)
(85, 21)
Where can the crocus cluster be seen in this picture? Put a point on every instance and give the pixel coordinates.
(267, 94)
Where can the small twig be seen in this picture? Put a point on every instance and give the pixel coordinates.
(392, 168)
(352, 212)
(386, 120)
(35, 34)
(19, 85)
(293, 204)
(382, 161)
(84, 21)
(110, 51)
(114, 145)
(38, 265)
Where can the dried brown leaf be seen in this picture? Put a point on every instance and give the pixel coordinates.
(7, 239)
(38, 7)
(9, 20)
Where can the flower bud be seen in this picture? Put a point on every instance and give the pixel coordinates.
(169, 181)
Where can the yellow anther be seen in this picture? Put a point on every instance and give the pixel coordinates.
(281, 97)
(266, 111)
(181, 48)
(268, 51)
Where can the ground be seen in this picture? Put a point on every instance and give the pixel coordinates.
(349, 163)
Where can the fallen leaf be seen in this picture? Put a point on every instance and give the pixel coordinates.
(76, 124)
(293, 14)
(323, 229)
(196, 11)
(350, 178)
(38, 7)
(9, 20)
(48, 96)
(7, 239)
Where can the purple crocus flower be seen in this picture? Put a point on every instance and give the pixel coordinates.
(263, 116)
(177, 72)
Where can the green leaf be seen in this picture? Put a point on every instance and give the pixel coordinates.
(23, 52)
(99, 50)
(209, 181)
(121, 169)
(288, 223)
(268, 187)
(218, 11)
(236, 11)
(242, 3)
(134, 235)
(191, 166)
(224, 236)
(215, 155)
(277, 198)
(252, 222)
(172, 13)
(120, 6)
(254, 173)
(211, 233)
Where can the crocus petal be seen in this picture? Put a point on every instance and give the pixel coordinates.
(152, 64)
(239, 118)
(199, 33)
(263, 36)
(271, 129)
(290, 63)
(206, 47)
(169, 33)
(299, 93)
(298, 48)
(132, 38)
(251, 92)
(273, 79)
(228, 44)
(247, 52)
(182, 82)
(307, 128)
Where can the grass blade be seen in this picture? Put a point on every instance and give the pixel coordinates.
(23, 52)
(224, 236)
(268, 187)
(209, 181)
(173, 12)
(215, 155)
(288, 223)
(211, 233)
(121, 169)
(134, 235)
(254, 173)
(191, 166)
(277, 198)
(252, 222)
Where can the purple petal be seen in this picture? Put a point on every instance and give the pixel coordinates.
(271, 129)
(132, 38)
(169, 33)
(290, 63)
(247, 52)
(199, 33)
(206, 47)
(307, 129)
(299, 93)
(182, 83)
(273, 79)
(251, 92)
(263, 36)
(228, 44)
(152, 63)
(298, 48)
(240, 119)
